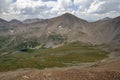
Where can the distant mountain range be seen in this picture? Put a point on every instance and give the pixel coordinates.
(66, 28)
(105, 19)
(27, 21)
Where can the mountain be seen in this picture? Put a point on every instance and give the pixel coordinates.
(103, 31)
(106, 18)
(91, 48)
(2, 22)
(3, 25)
(28, 21)
(59, 30)
(14, 22)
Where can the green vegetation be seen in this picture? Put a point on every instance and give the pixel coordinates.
(28, 44)
(3, 40)
(42, 46)
(12, 43)
(57, 38)
(66, 55)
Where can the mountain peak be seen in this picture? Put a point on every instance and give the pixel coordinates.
(106, 18)
(15, 22)
(71, 17)
(2, 20)
(67, 15)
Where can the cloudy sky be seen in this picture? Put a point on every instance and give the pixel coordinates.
(90, 10)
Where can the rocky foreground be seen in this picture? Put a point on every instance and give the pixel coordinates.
(108, 71)
(69, 74)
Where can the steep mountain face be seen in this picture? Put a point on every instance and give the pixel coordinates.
(103, 31)
(66, 25)
(59, 30)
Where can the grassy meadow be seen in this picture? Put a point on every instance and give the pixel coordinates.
(67, 55)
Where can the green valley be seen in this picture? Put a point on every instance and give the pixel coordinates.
(70, 54)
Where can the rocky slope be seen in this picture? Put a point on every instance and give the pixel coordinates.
(62, 74)
(103, 31)
(16, 35)
(61, 29)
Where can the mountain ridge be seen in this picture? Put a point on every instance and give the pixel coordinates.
(65, 14)
(64, 28)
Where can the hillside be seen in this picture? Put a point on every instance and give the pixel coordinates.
(73, 48)
(61, 29)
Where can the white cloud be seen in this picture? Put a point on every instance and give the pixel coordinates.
(108, 6)
(86, 9)
(83, 4)
(62, 6)
(94, 6)
(4, 4)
